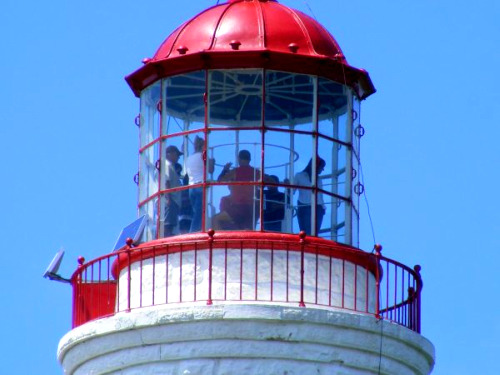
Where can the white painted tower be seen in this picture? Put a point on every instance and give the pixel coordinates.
(247, 260)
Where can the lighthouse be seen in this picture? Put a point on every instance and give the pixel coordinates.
(244, 258)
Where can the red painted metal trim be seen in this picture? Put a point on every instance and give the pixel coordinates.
(265, 240)
(315, 65)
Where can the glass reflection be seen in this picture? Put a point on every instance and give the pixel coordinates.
(148, 172)
(275, 206)
(310, 205)
(184, 103)
(334, 153)
(302, 145)
(356, 125)
(150, 210)
(356, 181)
(239, 209)
(334, 225)
(289, 100)
(224, 147)
(235, 98)
(233, 207)
(195, 170)
(332, 109)
(150, 113)
(279, 155)
(171, 172)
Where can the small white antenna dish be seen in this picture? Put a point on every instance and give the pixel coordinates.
(51, 272)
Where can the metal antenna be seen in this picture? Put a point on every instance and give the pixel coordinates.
(310, 9)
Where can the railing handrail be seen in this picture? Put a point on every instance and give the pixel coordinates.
(393, 302)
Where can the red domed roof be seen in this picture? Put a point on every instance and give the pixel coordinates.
(251, 34)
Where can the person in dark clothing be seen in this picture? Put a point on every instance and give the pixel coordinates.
(186, 211)
(274, 206)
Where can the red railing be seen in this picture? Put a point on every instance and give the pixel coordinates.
(242, 267)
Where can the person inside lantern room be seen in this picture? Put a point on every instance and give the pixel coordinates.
(240, 209)
(304, 203)
(274, 205)
(173, 199)
(185, 211)
(195, 171)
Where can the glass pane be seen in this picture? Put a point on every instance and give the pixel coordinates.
(333, 225)
(357, 189)
(332, 111)
(235, 98)
(172, 170)
(193, 146)
(195, 195)
(356, 118)
(227, 210)
(355, 228)
(171, 178)
(184, 106)
(289, 100)
(279, 158)
(236, 154)
(148, 172)
(276, 205)
(305, 211)
(150, 113)
(174, 176)
(302, 146)
(150, 210)
(169, 218)
(334, 175)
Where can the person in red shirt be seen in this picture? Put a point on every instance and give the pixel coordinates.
(240, 209)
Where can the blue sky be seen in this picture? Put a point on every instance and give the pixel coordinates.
(430, 155)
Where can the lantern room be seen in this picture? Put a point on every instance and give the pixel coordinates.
(250, 120)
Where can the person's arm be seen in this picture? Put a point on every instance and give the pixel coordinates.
(227, 173)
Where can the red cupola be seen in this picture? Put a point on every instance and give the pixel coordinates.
(251, 34)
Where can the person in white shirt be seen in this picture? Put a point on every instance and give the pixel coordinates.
(304, 203)
(195, 171)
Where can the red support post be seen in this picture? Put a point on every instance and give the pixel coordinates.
(271, 295)
(378, 254)
(302, 236)
(154, 277)
(418, 306)
(129, 278)
(210, 233)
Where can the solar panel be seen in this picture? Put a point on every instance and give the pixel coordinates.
(133, 230)
(54, 265)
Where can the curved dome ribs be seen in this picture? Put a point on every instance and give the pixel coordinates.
(251, 34)
(217, 28)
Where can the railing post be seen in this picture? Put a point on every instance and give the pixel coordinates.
(411, 308)
(417, 269)
(378, 254)
(129, 242)
(210, 233)
(77, 300)
(302, 237)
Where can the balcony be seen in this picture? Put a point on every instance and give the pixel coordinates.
(247, 267)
